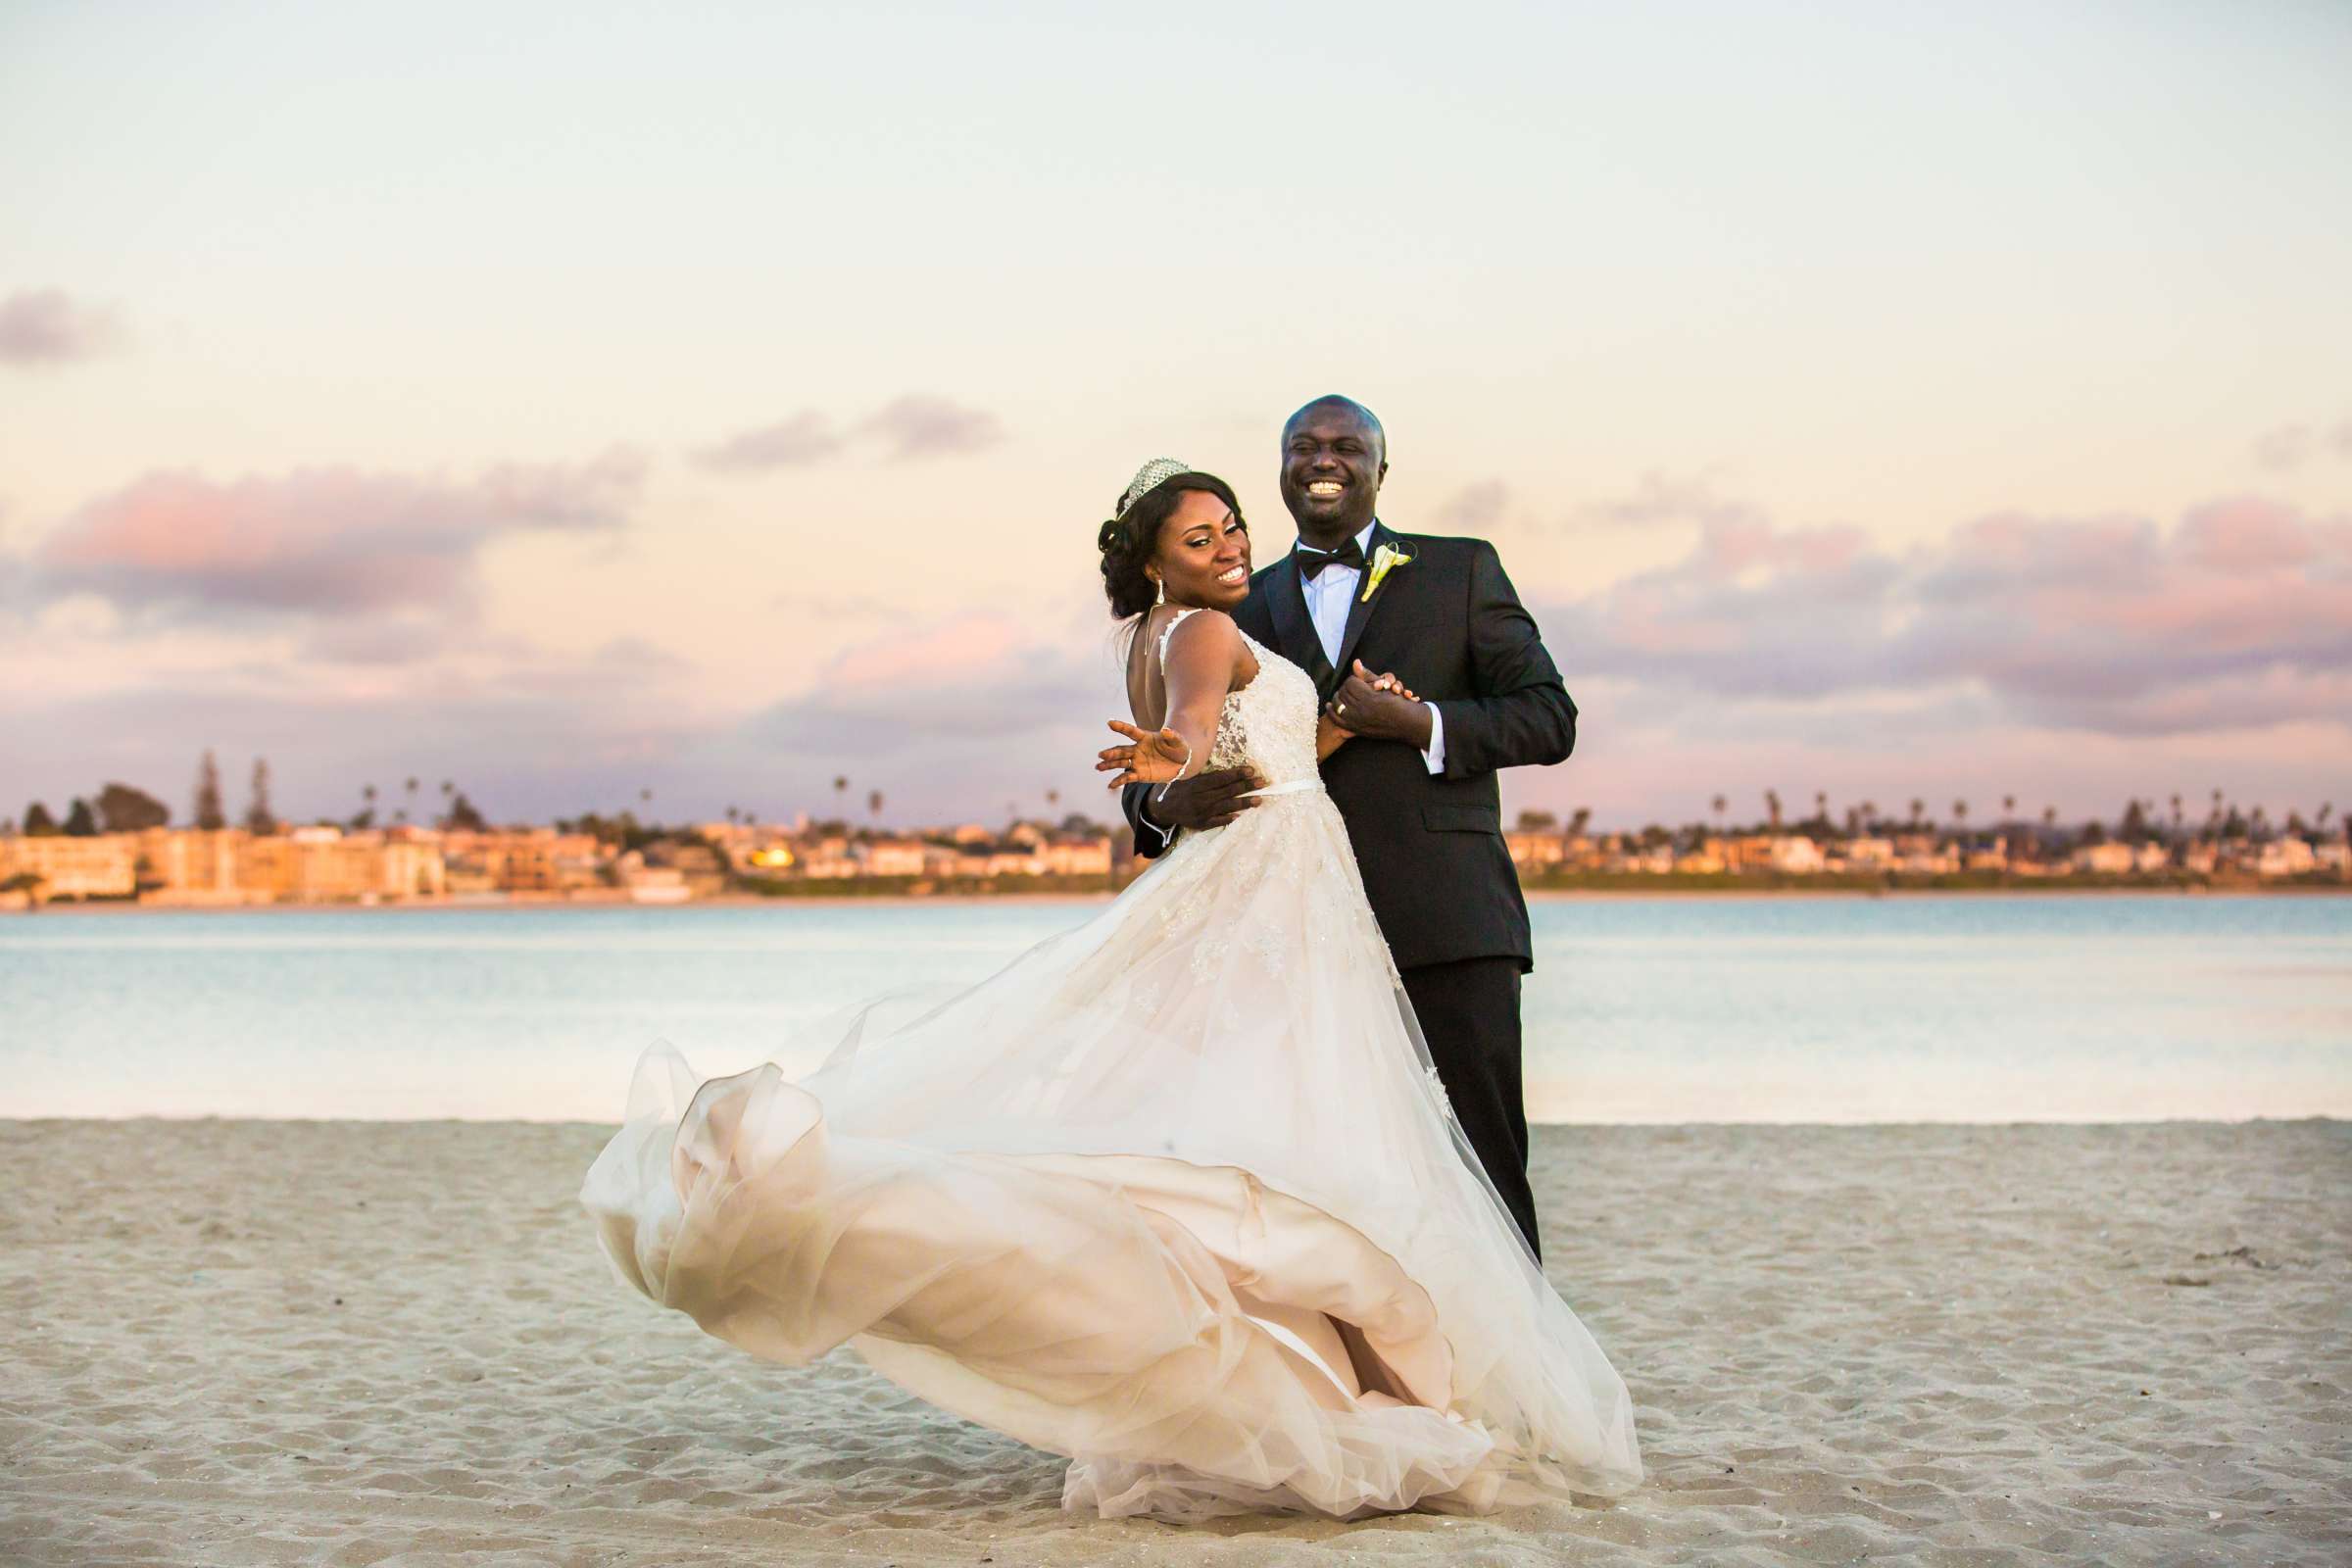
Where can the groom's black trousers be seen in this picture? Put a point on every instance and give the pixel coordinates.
(1469, 1013)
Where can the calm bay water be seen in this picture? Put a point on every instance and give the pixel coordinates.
(1970, 1008)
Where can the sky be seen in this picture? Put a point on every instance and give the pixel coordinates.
(575, 401)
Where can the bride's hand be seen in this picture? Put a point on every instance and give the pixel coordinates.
(1147, 758)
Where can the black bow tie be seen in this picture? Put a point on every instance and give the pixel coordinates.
(1312, 561)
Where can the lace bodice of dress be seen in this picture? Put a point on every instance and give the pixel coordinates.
(1269, 723)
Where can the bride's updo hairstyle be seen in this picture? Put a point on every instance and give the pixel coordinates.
(1132, 535)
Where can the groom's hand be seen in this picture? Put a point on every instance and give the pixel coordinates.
(1367, 704)
(1206, 800)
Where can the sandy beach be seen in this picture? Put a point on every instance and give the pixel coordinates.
(244, 1341)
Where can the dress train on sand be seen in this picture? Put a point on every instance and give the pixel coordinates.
(1176, 1194)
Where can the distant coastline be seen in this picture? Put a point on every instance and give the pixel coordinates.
(1629, 889)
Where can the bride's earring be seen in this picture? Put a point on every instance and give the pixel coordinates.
(1160, 593)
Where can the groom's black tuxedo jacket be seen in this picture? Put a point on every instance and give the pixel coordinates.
(1450, 625)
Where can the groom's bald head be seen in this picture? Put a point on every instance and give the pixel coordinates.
(1331, 403)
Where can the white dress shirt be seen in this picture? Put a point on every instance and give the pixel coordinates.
(1330, 595)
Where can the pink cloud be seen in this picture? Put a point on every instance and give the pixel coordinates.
(48, 327)
(2240, 615)
(950, 654)
(2247, 536)
(324, 540)
(916, 426)
(805, 438)
(921, 427)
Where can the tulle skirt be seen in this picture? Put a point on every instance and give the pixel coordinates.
(1175, 1195)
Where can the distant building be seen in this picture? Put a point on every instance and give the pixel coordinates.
(2105, 860)
(1710, 859)
(2287, 856)
(1011, 861)
(1535, 852)
(656, 884)
(1077, 857)
(522, 860)
(190, 865)
(700, 868)
(1872, 853)
(105, 866)
(895, 858)
(326, 865)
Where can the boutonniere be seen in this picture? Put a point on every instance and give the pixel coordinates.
(1384, 560)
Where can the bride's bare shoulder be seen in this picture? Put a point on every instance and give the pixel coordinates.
(1212, 627)
(1202, 643)
(1198, 636)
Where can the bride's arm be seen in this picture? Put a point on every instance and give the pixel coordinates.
(1329, 737)
(1204, 658)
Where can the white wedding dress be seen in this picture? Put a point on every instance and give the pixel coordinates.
(1176, 1194)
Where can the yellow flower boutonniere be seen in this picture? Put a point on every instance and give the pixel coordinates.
(1384, 560)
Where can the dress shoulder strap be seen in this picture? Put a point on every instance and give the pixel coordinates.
(1169, 630)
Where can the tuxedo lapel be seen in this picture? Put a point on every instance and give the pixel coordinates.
(1294, 629)
(1367, 600)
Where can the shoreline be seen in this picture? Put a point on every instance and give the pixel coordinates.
(2316, 1119)
(1533, 895)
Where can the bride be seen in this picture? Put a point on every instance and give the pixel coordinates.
(1176, 1194)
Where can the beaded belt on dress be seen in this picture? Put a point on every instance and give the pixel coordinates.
(1294, 786)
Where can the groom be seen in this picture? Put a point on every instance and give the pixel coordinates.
(1417, 785)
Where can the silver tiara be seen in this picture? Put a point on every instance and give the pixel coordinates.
(1147, 478)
